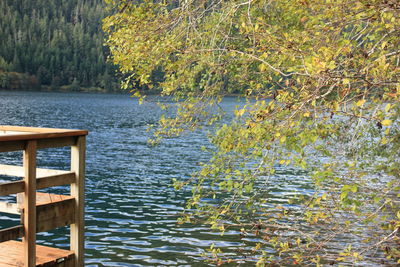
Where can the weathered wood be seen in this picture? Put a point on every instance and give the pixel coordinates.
(43, 182)
(46, 198)
(78, 152)
(19, 171)
(33, 133)
(12, 132)
(46, 178)
(40, 130)
(12, 188)
(52, 211)
(29, 238)
(9, 207)
(55, 214)
(11, 233)
(11, 254)
(56, 180)
(56, 142)
(42, 211)
(43, 198)
(12, 146)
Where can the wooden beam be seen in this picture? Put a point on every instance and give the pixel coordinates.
(11, 170)
(18, 171)
(52, 210)
(43, 198)
(12, 208)
(55, 214)
(78, 152)
(10, 133)
(18, 145)
(42, 182)
(12, 188)
(29, 238)
(40, 130)
(56, 180)
(12, 146)
(11, 233)
(56, 142)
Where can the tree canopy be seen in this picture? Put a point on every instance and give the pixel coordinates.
(322, 83)
(56, 43)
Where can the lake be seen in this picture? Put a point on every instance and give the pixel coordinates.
(131, 206)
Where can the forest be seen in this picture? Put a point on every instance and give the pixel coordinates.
(54, 45)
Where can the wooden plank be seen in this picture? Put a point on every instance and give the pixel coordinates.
(56, 142)
(55, 214)
(46, 177)
(56, 180)
(35, 133)
(52, 211)
(12, 188)
(29, 238)
(8, 146)
(43, 182)
(11, 233)
(18, 171)
(12, 208)
(43, 198)
(12, 146)
(78, 152)
(12, 170)
(11, 254)
(38, 129)
(2, 132)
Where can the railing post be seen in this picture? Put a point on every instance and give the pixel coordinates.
(77, 190)
(29, 239)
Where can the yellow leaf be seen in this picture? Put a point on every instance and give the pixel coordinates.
(240, 112)
(336, 106)
(387, 108)
(346, 81)
(386, 122)
(306, 114)
(262, 67)
(384, 141)
(360, 103)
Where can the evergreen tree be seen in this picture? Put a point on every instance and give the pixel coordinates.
(57, 42)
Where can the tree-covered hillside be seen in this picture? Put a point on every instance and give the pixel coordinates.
(57, 44)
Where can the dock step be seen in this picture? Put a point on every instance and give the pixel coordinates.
(12, 254)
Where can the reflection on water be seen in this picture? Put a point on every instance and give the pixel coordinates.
(131, 207)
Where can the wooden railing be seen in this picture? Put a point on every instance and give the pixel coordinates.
(42, 211)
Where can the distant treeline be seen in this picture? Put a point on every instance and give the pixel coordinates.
(53, 45)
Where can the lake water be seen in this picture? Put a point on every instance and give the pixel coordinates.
(131, 207)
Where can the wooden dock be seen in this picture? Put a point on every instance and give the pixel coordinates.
(42, 212)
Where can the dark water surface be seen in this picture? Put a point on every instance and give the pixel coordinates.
(130, 205)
